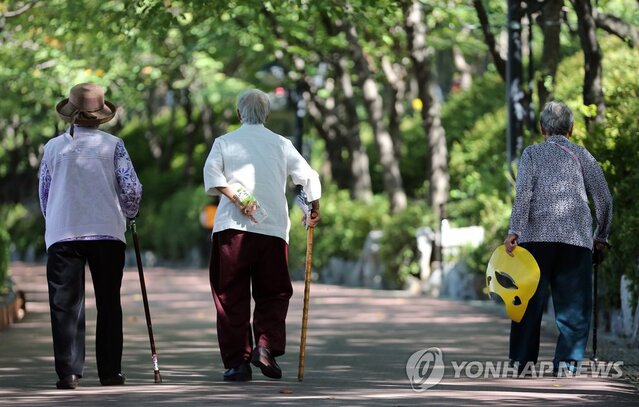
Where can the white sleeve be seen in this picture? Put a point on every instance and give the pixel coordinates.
(302, 174)
(214, 170)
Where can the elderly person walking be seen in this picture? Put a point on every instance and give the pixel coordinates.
(87, 189)
(249, 252)
(551, 218)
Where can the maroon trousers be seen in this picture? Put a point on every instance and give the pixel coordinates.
(241, 261)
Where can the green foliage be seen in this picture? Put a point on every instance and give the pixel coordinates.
(462, 110)
(25, 225)
(172, 228)
(398, 246)
(346, 224)
(414, 148)
(495, 215)
(481, 189)
(342, 231)
(614, 144)
(206, 51)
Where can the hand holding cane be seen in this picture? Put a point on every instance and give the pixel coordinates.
(147, 313)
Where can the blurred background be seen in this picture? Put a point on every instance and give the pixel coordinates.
(414, 113)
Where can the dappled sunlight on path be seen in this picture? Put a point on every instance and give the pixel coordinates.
(359, 341)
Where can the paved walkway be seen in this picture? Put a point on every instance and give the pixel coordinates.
(359, 342)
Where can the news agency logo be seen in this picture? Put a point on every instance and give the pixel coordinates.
(425, 369)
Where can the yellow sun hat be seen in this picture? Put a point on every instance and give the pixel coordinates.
(512, 280)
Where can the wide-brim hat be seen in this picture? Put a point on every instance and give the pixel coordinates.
(86, 106)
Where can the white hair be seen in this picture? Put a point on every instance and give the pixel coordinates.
(556, 118)
(254, 106)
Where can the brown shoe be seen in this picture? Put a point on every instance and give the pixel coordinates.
(261, 357)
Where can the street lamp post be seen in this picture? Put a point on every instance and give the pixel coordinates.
(515, 96)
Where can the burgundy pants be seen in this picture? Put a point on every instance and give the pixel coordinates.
(241, 261)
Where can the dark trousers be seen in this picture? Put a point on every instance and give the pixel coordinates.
(241, 261)
(65, 275)
(567, 270)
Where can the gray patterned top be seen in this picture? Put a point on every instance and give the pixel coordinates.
(554, 182)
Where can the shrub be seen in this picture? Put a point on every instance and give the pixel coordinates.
(481, 187)
(172, 228)
(464, 109)
(25, 225)
(614, 144)
(398, 246)
(342, 232)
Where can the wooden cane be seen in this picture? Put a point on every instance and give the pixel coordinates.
(307, 291)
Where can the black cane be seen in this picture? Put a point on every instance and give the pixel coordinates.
(595, 308)
(147, 313)
(597, 258)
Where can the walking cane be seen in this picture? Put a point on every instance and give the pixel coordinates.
(597, 258)
(594, 308)
(307, 291)
(303, 204)
(147, 313)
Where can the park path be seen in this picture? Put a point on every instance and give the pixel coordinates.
(359, 342)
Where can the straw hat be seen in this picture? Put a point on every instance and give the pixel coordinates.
(86, 106)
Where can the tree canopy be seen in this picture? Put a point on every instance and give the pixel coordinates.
(394, 101)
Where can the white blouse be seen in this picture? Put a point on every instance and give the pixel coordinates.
(261, 161)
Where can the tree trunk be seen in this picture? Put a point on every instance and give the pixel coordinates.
(207, 123)
(465, 79)
(489, 38)
(420, 54)
(550, 22)
(338, 124)
(151, 130)
(592, 93)
(361, 187)
(373, 103)
(325, 122)
(192, 127)
(396, 77)
(169, 143)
